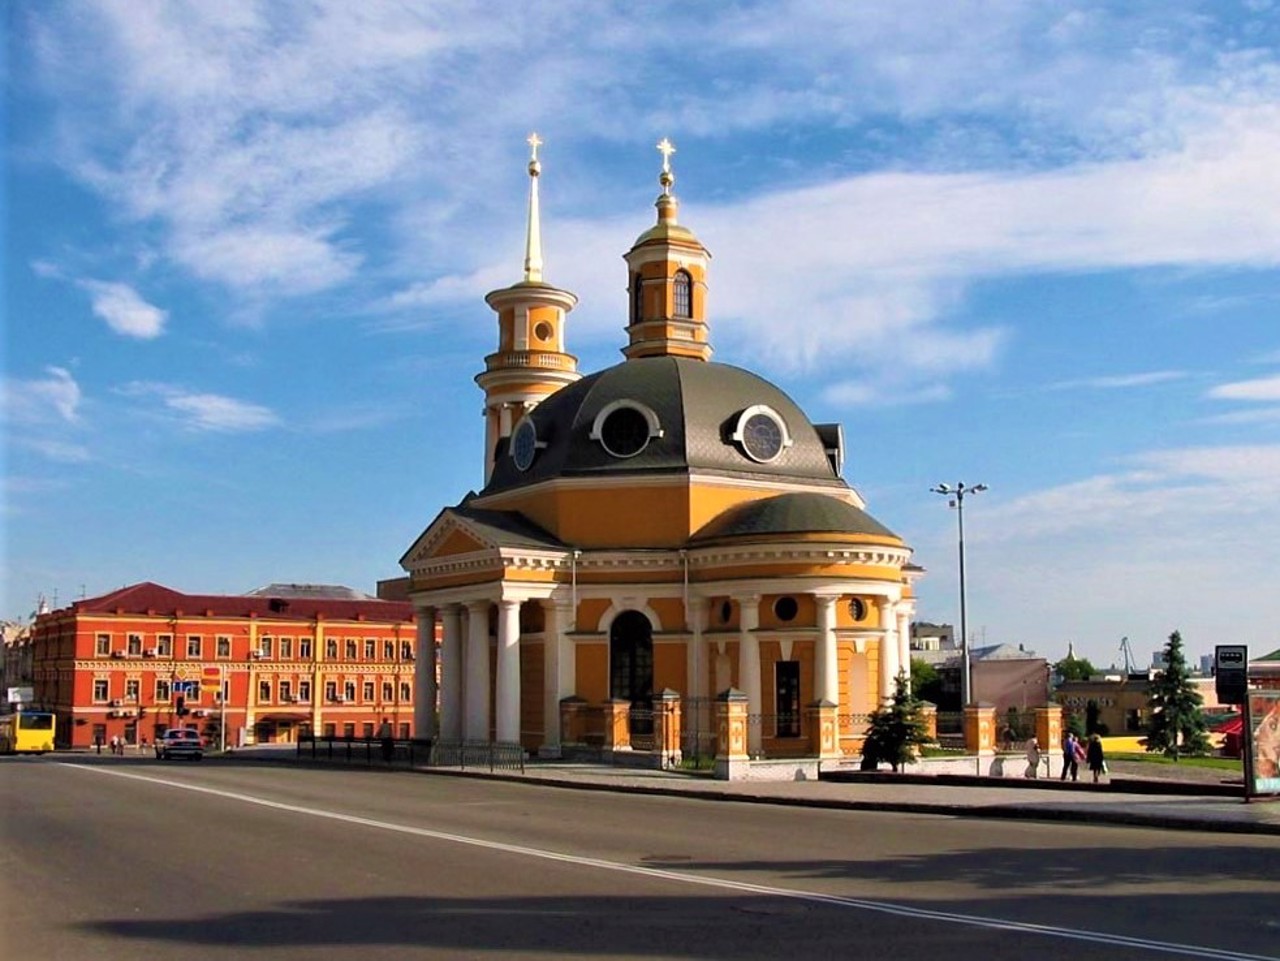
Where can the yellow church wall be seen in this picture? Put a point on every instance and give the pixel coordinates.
(806, 611)
(592, 664)
(669, 667)
(590, 611)
(871, 612)
(670, 611)
(590, 518)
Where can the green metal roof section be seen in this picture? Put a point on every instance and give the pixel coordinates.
(800, 513)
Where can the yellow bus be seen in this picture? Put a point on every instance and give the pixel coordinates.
(29, 732)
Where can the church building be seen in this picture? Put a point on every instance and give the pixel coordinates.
(666, 529)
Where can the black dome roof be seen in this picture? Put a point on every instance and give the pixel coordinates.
(796, 513)
(696, 406)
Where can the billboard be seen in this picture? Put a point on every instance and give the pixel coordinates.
(1264, 733)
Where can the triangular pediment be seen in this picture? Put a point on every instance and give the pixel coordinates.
(459, 531)
(459, 541)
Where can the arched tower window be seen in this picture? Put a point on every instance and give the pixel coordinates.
(637, 299)
(682, 294)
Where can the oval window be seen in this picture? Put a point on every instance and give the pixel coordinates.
(786, 608)
(625, 432)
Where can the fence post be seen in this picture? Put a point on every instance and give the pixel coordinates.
(824, 730)
(617, 725)
(732, 761)
(929, 714)
(1049, 732)
(980, 731)
(666, 716)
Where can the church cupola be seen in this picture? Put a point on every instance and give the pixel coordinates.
(668, 282)
(530, 362)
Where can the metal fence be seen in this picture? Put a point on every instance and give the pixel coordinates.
(493, 755)
(369, 751)
(377, 752)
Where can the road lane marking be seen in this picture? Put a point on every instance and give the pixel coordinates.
(835, 900)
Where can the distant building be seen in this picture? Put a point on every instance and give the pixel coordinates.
(926, 637)
(290, 660)
(1122, 699)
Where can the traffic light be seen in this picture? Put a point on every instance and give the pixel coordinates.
(180, 708)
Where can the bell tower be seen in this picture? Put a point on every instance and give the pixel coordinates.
(667, 266)
(530, 362)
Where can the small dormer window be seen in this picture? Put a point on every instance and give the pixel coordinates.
(682, 294)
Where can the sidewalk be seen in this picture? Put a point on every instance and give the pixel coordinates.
(1147, 802)
(1146, 805)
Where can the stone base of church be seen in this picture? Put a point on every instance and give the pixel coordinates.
(769, 769)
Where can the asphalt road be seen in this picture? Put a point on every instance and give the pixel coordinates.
(109, 859)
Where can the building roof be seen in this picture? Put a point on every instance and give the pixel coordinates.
(1002, 652)
(314, 591)
(795, 513)
(695, 405)
(152, 599)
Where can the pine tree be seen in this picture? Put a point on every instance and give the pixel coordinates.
(896, 728)
(1176, 725)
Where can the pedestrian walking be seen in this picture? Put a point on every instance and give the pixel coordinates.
(1033, 758)
(1096, 758)
(1070, 758)
(115, 743)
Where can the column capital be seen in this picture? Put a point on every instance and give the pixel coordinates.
(479, 607)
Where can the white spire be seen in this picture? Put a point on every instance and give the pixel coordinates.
(533, 242)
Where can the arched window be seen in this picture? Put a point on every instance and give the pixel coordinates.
(682, 294)
(637, 299)
(631, 667)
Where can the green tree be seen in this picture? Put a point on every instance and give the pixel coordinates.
(1072, 668)
(926, 682)
(897, 728)
(1176, 725)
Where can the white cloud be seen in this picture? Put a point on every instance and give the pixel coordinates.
(54, 398)
(1121, 381)
(59, 451)
(1179, 538)
(207, 412)
(1263, 388)
(124, 310)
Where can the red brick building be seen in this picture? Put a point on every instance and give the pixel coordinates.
(255, 668)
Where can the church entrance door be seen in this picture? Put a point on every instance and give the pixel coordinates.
(631, 670)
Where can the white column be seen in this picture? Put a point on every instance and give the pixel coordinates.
(749, 668)
(424, 675)
(695, 656)
(476, 697)
(904, 637)
(451, 674)
(508, 681)
(888, 647)
(557, 670)
(827, 663)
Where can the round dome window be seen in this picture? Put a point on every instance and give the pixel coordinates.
(786, 608)
(542, 331)
(524, 444)
(762, 434)
(624, 428)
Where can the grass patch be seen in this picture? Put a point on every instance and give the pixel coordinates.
(1217, 763)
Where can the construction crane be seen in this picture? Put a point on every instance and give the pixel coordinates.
(1127, 651)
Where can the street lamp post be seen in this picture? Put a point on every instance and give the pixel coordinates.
(956, 497)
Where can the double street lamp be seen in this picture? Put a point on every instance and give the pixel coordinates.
(956, 496)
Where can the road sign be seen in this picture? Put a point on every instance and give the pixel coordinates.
(1231, 672)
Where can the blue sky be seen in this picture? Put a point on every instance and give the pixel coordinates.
(1033, 245)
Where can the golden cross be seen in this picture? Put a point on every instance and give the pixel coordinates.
(535, 142)
(666, 148)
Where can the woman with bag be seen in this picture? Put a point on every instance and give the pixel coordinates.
(1095, 757)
